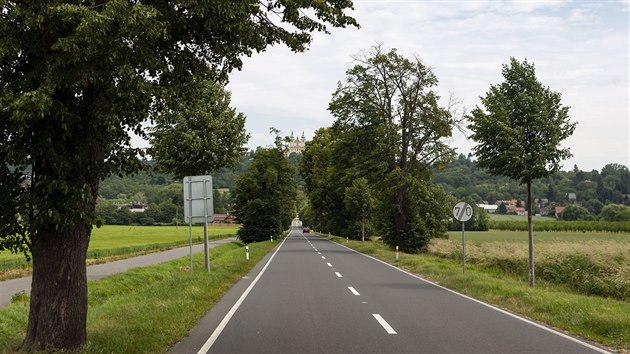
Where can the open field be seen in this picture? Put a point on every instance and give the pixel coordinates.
(120, 241)
(112, 236)
(159, 304)
(593, 263)
(539, 236)
(600, 319)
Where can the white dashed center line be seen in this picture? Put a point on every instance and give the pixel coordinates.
(330, 265)
(356, 293)
(338, 275)
(384, 323)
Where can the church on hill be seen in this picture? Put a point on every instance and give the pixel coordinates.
(296, 144)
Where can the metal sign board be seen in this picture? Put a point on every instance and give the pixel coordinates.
(198, 202)
(462, 211)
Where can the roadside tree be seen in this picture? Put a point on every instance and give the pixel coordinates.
(76, 79)
(264, 197)
(197, 131)
(359, 202)
(519, 131)
(392, 96)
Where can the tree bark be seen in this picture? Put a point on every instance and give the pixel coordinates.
(58, 309)
(363, 228)
(401, 214)
(530, 232)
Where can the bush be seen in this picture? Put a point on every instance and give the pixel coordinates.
(615, 212)
(575, 212)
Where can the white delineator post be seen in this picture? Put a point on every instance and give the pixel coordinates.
(397, 252)
(247, 252)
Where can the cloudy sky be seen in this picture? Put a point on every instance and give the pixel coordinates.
(579, 48)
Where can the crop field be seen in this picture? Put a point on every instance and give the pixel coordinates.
(590, 263)
(117, 240)
(539, 236)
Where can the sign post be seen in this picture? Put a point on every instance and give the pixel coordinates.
(463, 212)
(199, 208)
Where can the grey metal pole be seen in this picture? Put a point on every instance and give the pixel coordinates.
(463, 250)
(190, 220)
(205, 227)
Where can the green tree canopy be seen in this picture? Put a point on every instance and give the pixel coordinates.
(359, 202)
(615, 212)
(76, 79)
(519, 131)
(391, 98)
(264, 197)
(199, 133)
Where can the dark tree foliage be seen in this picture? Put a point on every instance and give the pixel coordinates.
(199, 133)
(391, 98)
(264, 197)
(76, 78)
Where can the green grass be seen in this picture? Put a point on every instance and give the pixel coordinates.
(543, 236)
(117, 240)
(599, 319)
(148, 310)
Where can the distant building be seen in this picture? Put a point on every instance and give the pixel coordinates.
(490, 208)
(133, 207)
(223, 219)
(559, 209)
(520, 211)
(296, 145)
(572, 197)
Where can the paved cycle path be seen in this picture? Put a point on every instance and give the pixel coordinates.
(8, 288)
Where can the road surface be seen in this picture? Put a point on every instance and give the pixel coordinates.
(8, 288)
(316, 296)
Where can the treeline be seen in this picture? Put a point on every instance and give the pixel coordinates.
(592, 189)
(161, 194)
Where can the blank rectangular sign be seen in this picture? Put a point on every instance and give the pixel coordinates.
(198, 202)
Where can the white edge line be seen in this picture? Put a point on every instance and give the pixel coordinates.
(551, 330)
(213, 337)
(356, 293)
(384, 323)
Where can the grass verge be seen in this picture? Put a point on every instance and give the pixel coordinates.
(110, 243)
(147, 310)
(594, 318)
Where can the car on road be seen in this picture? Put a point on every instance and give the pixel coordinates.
(306, 230)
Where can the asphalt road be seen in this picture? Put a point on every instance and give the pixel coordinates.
(315, 296)
(8, 288)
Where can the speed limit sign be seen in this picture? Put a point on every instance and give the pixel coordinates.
(462, 212)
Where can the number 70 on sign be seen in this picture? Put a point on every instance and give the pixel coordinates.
(462, 211)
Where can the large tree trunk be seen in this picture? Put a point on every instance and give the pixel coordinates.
(530, 232)
(58, 312)
(401, 213)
